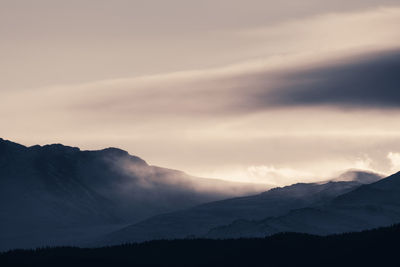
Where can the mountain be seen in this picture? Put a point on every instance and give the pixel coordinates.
(378, 247)
(56, 194)
(364, 177)
(61, 195)
(368, 206)
(197, 221)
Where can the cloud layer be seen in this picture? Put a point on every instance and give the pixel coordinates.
(308, 95)
(372, 81)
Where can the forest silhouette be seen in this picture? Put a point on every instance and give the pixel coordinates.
(378, 247)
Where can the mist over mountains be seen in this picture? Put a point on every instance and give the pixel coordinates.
(197, 221)
(56, 194)
(59, 195)
(366, 207)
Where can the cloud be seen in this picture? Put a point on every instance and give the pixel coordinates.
(314, 170)
(262, 174)
(360, 72)
(341, 60)
(275, 175)
(394, 159)
(162, 181)
(290, 103)
(364, 163)
(370, 82)
(365, 81)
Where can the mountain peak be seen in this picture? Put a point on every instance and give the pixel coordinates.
(361, 176)
(5, 141)
(114, 151)
(6, 145)
(55, 148)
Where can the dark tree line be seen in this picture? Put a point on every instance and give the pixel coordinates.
(379, 247)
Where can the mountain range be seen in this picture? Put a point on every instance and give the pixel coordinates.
(61, 195)
(366, 207)
(197, 221)
(56, 194)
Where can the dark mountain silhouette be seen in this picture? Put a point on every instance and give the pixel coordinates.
(60, 195)
(56, 194)
(199, 220)
(377, 247)
(368, 206)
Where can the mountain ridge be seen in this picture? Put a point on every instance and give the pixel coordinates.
(366, 207)
(51, 189)
(197, 221)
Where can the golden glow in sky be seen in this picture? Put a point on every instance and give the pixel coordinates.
(254, 91)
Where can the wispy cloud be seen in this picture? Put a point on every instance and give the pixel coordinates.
(370, 82)
(322, 86)
(318, 72)
(394, 159)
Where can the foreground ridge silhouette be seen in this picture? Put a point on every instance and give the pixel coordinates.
(376, 247)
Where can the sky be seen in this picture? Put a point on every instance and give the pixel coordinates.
(259, 91)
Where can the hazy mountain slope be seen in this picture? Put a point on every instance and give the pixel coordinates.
(45, 191)
(199, 220)
(369, 206)
(364, 177)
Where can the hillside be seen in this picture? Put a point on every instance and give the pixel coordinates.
(56, 194)
(369, 206)
(197, 221)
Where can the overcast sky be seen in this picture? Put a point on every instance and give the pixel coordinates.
(259, 91)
